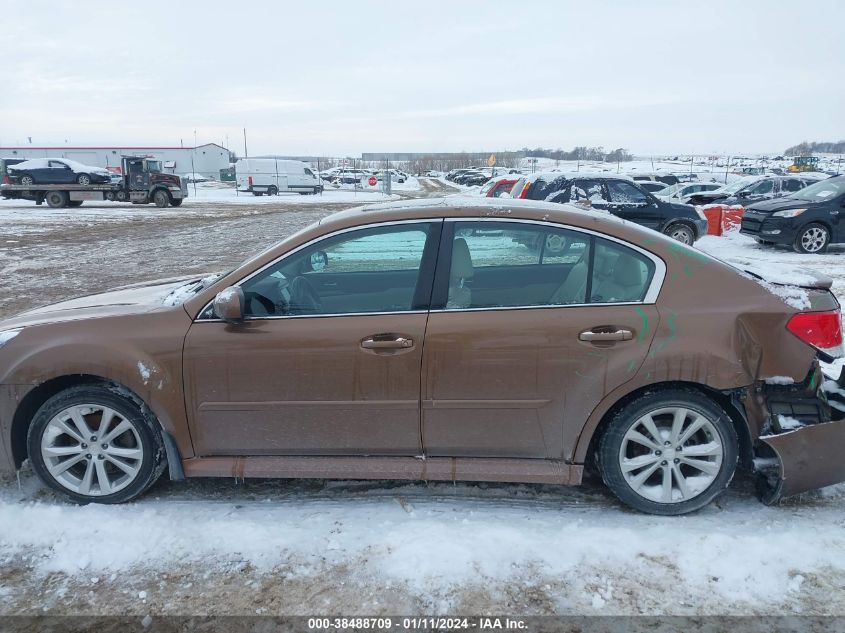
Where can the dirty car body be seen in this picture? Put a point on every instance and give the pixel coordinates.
(436, 340)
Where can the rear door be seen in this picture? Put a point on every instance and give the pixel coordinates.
(532, 325)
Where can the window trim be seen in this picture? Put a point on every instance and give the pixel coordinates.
(444, 261)
(441, 261)
(427, 271)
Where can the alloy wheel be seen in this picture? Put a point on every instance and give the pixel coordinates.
(813, 239)
(671, 455)
(681, 234)
(92, 450)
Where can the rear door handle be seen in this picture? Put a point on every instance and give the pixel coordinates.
(377, 342)
(616, 335)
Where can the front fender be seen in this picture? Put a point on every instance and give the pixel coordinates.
(146, 360)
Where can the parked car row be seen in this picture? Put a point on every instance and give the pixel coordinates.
(346, 176)
(751, 189)
(808, 220)
(619, 195)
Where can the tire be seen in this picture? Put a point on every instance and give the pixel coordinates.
(642, 486)
(83, 179)
(811, 239)
(176, 202)
(139, 447)
(680, 232)
(161, 198)
(74, 203)
(27, 180)
(56, 199)
(273, 191)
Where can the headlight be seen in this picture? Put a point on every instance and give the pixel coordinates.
(788, 213)
(8, 335)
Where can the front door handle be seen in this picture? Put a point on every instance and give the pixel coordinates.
(379, 342)
(616, 335)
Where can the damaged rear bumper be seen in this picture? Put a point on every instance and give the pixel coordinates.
(805, 458)
(808, 458)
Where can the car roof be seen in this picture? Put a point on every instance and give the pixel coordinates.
(571, 175)
(467, 206)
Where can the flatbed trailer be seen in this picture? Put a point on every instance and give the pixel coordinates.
(142, 183)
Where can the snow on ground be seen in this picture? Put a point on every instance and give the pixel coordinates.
(437, 548)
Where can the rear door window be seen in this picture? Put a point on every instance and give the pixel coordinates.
(587, 189)
(619, 274)
(510, 264)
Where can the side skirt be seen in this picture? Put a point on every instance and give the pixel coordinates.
(539, 471)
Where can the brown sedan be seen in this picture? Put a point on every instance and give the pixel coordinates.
(443, 340)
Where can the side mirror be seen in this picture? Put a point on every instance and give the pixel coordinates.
(318, 260)
(743, 194)
(229, 304)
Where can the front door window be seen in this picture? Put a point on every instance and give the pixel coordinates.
(359, 272)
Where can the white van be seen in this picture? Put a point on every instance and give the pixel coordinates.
(271, 176)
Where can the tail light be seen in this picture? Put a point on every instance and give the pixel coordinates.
(524, 192)
(249, 181)
(822, 330)
(7, 180)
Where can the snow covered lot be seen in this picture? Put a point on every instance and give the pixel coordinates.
(306, 547)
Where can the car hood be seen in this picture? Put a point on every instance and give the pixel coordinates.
(709, 195)
(135, 299)
(779, 204)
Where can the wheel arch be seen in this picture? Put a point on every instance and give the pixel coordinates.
(588, 441)
(36, 397)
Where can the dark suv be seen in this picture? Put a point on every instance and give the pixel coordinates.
(808, 220)
(751, 189)
(620, 196)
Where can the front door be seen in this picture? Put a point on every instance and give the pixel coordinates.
(328, 359)
(530, 329)
(629, 202)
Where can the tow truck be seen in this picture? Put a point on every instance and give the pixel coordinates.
(142, 181)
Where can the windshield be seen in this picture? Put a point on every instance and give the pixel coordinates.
(736, 185)
(821, 191)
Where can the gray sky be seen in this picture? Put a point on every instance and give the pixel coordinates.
(340, 78)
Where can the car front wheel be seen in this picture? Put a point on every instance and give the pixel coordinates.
(680, 232)
(83, 179)
(668, 452)
(93, 444)
(813, 238)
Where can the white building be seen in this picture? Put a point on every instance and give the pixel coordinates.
(206, 159)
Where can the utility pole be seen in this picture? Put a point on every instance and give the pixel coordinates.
(246, 154)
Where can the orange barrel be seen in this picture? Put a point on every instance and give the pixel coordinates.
(732, 218)
(713, 213)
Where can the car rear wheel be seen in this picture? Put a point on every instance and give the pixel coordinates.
(273, 190)
(668, 452)
(27, 180)
(813, 238)
(94, 444)
(680, 232)
(161, 198)
(83, 179)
